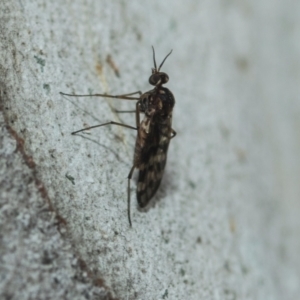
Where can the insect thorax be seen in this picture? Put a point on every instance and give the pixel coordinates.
(157, 103)
(154, 132)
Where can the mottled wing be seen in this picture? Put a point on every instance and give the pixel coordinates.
(153, 161)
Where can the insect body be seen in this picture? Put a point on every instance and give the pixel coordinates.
(154, 133)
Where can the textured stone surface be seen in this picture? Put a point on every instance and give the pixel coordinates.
(225, 222)
(37, 260)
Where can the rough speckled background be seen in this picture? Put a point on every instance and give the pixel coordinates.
(224, 224)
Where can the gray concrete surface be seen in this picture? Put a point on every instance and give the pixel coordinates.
(37, 259)
(224, 224)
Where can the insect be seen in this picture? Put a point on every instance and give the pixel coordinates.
(154, 133)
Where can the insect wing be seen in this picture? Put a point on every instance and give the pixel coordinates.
(153, 161)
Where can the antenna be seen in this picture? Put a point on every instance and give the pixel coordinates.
(154, 58)
(164, 60)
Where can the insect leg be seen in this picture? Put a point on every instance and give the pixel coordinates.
(129, 111)
(128, 194)
(137, 114)
(137, 119)
(174, 133)
(124, 96)
(130, 94)
(108, 123)
(124, 111)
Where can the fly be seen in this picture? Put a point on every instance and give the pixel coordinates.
(154, 133)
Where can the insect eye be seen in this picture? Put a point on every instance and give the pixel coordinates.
(158, 78)
(164, 78)
(154, 79)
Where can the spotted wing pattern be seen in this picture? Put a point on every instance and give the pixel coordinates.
(153, 160)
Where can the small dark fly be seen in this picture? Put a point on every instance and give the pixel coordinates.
(154, 133)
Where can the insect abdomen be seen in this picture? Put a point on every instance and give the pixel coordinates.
(153, 161)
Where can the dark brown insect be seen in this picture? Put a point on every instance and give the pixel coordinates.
(154, 133)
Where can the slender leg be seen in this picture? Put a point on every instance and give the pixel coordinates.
(108, 123)
(174, 133)
(137, 119)
(125, 96)
(128, 194)
(124, 111)
(130, 94)
(137, 115)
